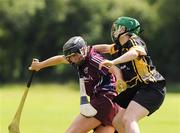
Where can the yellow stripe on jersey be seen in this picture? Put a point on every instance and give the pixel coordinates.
(152, 78)
(137, 47)
(113, 51)
(133, 42)
(141, 66)
(132, 80)
(136, 71)
(134, 83)
(142, 69)
(133, 63)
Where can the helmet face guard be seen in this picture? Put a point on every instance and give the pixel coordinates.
(70, 52)
(74, 45)
(132, 26)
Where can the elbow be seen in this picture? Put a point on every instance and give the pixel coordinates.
(135, 53)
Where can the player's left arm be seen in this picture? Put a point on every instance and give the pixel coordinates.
(132, 54)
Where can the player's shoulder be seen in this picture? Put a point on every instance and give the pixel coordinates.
(93, 52)
(94, 55)
(137, 41)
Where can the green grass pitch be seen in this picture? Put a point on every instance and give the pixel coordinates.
(50, 108)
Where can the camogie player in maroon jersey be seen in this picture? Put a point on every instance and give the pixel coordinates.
(100, 85)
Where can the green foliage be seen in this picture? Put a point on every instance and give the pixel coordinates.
(18, 12)
(39, 28)
(165, 44)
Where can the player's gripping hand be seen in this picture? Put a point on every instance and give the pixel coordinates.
(106, 63)
(35, 65)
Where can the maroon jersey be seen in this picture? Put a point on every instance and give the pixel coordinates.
(95, 80)
(99, 85)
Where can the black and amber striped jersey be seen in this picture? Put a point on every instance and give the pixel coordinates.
(140, 70)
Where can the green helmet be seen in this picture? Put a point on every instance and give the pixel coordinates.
(132, 26)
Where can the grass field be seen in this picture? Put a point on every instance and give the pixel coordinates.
(50, 108)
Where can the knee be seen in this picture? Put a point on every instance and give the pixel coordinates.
(126, 120)
(116, 123)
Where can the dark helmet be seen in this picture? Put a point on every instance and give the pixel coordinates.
(73, 45)
(132, 26)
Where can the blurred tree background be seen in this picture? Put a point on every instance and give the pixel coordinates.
(39, 28)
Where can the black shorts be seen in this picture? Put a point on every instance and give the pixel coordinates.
(150, 96)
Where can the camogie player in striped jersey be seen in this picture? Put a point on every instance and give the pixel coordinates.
(99, 85)
(145, 85)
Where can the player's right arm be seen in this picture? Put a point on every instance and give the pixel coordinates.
(55, 60)
(104, 48)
